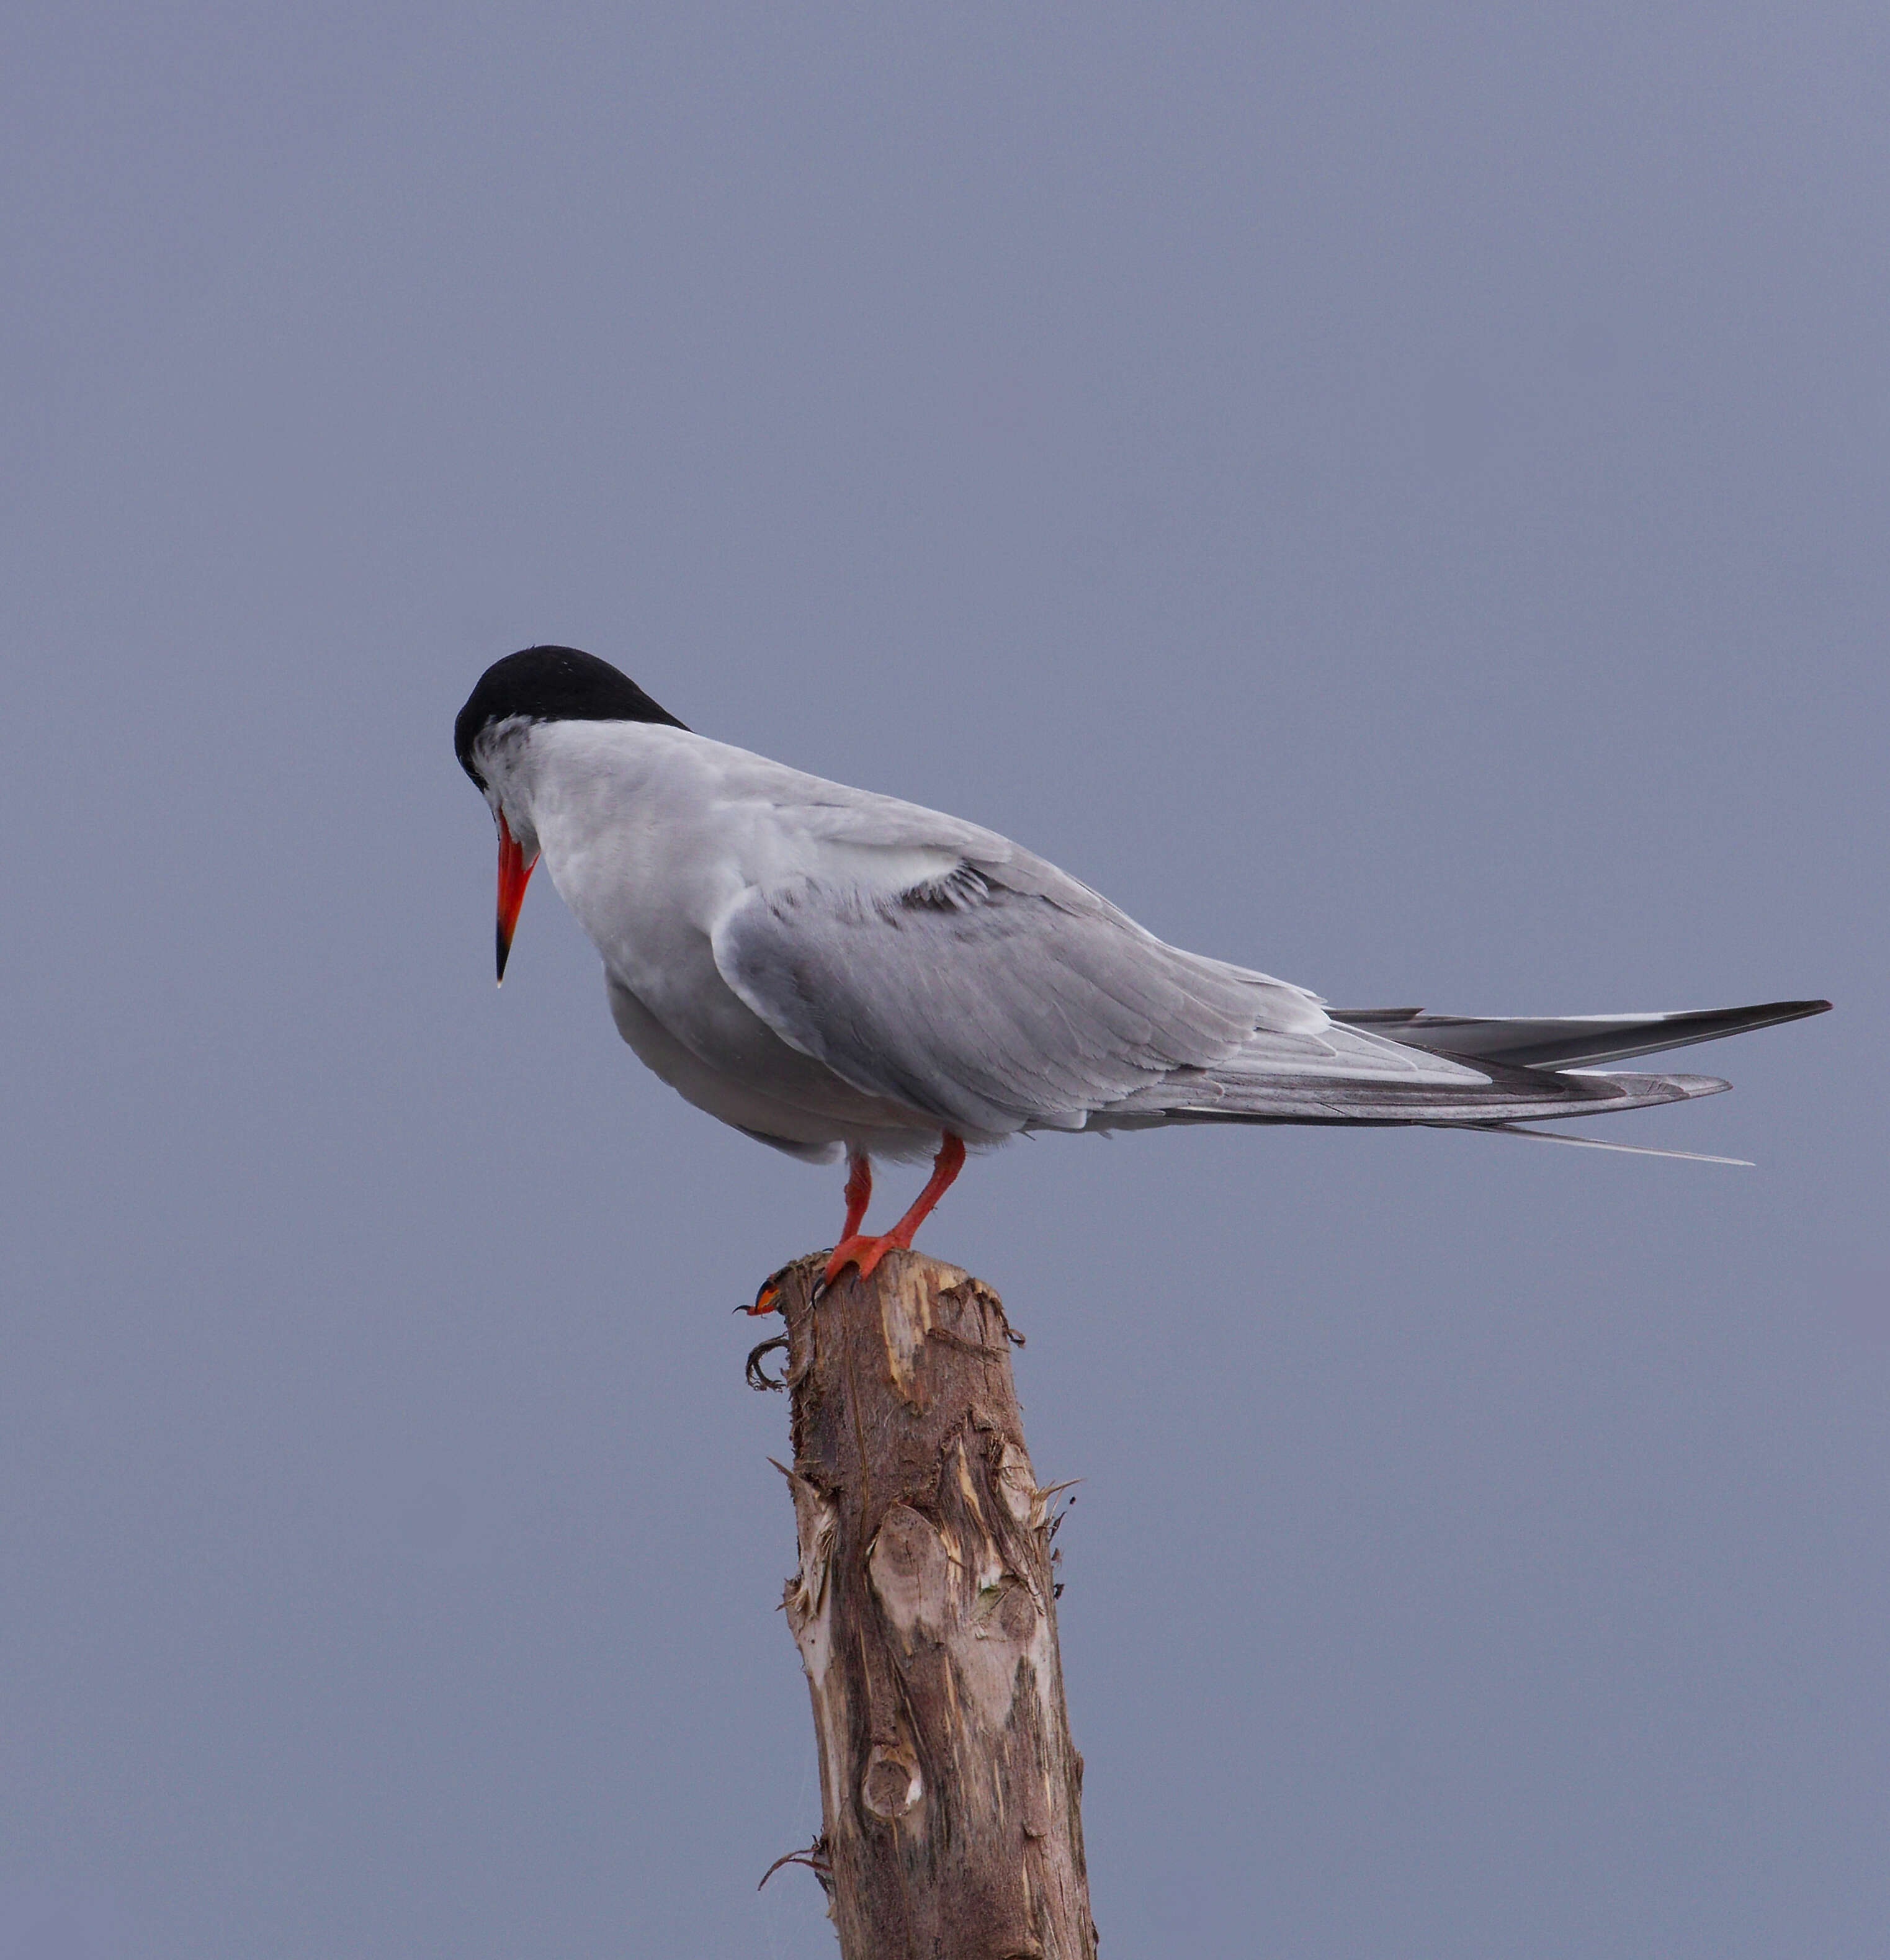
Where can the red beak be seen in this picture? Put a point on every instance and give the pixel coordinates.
(515, 873)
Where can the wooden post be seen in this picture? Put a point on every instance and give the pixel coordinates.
(925, 1614)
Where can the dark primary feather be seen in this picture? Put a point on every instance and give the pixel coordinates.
(1561, 1042)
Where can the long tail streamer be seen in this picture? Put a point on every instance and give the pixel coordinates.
(1594, 1143)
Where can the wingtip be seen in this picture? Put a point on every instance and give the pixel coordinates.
(1656, 1089)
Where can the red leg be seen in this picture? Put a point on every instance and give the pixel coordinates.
(866, 1253)
(859, 1194)
(946, 1166)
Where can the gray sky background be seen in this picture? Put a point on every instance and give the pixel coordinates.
(1395, 495)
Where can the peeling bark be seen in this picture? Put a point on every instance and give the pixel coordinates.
(926, 1618)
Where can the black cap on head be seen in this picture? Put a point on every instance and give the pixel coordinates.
(551, 684)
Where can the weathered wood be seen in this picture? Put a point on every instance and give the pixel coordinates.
(926, 1618)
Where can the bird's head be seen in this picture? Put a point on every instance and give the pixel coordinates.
(492, 739)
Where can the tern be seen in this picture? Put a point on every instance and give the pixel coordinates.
(834, 972)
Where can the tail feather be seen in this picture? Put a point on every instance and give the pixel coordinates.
(1595, 1144)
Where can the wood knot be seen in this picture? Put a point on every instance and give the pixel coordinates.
(892, 1785)
(910, 1572)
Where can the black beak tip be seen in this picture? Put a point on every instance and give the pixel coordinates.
(505, 947)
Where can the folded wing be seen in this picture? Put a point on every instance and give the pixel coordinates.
(926, 960)
(992, 1007)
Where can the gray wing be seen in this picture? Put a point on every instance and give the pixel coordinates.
(994, 993)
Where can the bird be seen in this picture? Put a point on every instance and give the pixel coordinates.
(839, 973)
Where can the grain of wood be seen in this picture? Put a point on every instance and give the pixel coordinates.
(925, 1614)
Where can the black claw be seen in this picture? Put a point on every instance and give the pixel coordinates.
(767, 1298)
